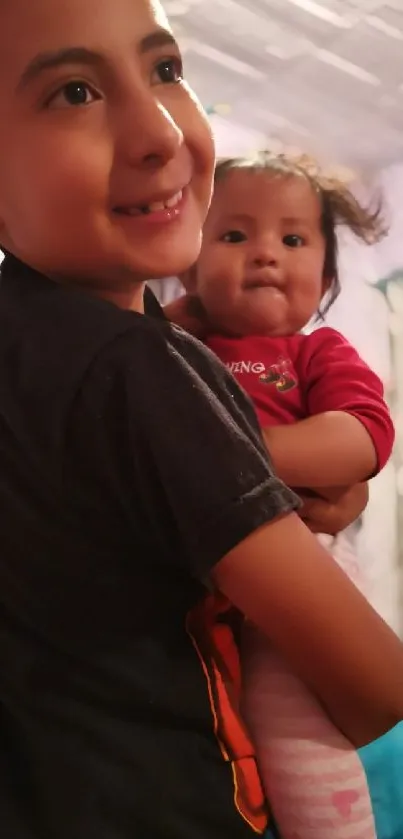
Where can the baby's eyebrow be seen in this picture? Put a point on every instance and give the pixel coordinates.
(295, 220)
(238, 218)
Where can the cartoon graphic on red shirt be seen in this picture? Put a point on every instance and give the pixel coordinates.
(279, 374)
(212, 626)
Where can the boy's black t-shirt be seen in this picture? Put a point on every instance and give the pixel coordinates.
(130, 463)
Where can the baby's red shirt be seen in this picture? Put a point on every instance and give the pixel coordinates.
(294, 377)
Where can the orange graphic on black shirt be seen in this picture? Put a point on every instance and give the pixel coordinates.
(210, 626)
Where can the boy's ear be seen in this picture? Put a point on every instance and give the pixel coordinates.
(189, 279)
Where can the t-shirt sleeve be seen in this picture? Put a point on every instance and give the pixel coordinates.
(189, 441)
(337, 379)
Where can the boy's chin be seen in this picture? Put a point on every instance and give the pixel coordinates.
(172, 264)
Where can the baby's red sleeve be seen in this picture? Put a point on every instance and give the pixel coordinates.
(337, 379)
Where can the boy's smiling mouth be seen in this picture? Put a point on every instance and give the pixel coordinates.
(154, 207)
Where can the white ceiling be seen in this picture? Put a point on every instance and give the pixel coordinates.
(324, 76)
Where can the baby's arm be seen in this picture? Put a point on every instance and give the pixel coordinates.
(330, 512)
(349, 433)
(332, 448)
(187, 312)
(333, 509)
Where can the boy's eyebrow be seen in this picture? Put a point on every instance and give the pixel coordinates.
(81, 55)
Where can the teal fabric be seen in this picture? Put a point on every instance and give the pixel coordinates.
(382, 761)
(383, 764)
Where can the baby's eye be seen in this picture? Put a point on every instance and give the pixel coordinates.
(293, 241)
(233, 237)
(73, 95)
(169, 70)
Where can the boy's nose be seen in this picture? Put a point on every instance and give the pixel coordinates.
(151, 136)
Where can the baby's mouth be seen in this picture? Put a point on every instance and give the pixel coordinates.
(256, 284)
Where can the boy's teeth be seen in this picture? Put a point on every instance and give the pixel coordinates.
(172, 202)
(156, 206)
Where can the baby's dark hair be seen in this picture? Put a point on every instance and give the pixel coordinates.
(339, 206)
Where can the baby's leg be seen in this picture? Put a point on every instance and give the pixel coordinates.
(313, 777)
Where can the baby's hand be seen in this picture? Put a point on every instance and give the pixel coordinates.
(335, 510)
(188, 313)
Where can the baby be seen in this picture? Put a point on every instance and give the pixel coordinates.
(268, 266)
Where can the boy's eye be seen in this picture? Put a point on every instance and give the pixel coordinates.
(293, 241)
(72, 95)
(233, 237)
(169, 71)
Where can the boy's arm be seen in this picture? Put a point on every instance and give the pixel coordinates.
(349, 433)
(282, 579)
(198, 473)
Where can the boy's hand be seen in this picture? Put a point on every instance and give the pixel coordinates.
(336, 511)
